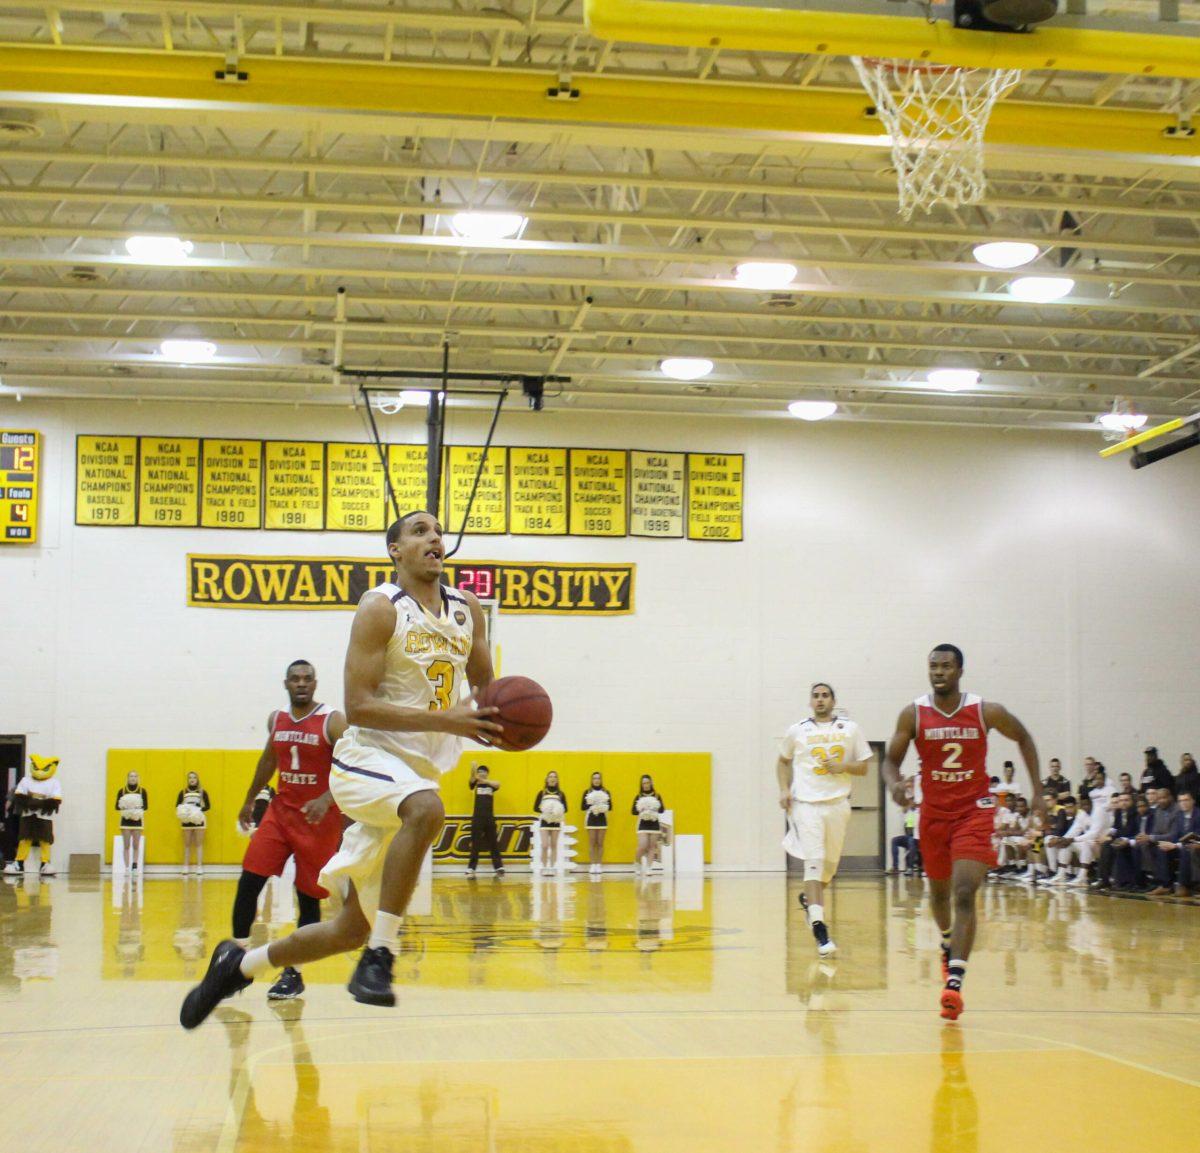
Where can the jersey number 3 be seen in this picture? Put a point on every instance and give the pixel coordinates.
(835, 754)
(441, 676)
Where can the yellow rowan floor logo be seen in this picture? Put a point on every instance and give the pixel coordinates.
(243, 582)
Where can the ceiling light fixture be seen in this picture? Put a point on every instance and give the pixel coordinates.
(1121, 421)
(686, 367)
(1041, 289)
(953, 379)
(487, 225)
(812, 409)
(188, 351)
(159, 249)
(764, 275)
(1006, 253)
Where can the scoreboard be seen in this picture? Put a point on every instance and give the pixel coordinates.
(19, 459)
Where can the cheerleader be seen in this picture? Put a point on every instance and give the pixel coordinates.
(190, 807)
(597, 802)
(550, 805)
(132, 805)
(648, 807)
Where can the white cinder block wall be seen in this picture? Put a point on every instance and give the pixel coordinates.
(1070, 583)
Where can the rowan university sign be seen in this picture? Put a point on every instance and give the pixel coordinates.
(246, 582)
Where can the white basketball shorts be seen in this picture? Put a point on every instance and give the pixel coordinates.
(816, 832)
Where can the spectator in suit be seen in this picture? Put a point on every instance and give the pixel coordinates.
(1175, 855)
(1188, 780)
(1158, 828)
(1116, 865)
(1056, 782)
(1156, 774)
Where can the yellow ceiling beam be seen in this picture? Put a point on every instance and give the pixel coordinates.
(1060, 47)
(726, 116)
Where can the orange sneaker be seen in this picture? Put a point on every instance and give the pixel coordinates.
(952, 1004)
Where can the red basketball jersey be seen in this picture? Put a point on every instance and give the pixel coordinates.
(953, 752)
(303, 755)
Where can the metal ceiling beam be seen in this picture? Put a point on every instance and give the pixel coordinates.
(177, 82)
(840, 230)
(884, 193)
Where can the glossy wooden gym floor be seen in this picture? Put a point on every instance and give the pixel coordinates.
(607, 1015)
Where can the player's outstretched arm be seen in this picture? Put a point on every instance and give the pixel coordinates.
(263, 772)
(897, 750)
(997, 717)
(374, 624)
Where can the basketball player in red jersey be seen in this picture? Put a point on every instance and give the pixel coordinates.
(950, 729)
(301, 821)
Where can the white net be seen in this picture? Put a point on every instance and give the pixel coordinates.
(936, 117)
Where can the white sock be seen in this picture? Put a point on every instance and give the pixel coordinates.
(816, 913)
(386, 931)
(255, 961)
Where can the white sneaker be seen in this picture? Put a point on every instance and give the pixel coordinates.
(826, 950)
(47, 870)
(470, 872)
(1062, 877)
(12, 868)
(1079, 881)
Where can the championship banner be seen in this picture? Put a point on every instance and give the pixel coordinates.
(354, 491)
(715, 496)
(657, 492)
(168, 482)
(295, 485)
(537, 501)
(599, 492)
(489, 513)
(231, 484)
(105, 480)
(408, 472)
(248, 582)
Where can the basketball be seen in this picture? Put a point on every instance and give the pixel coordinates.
(525, 710)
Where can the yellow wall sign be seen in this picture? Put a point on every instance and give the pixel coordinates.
(19, 460)
(231, 484)
(715, 496)
(106, 480)
(409, 475)
(353, 488)
(537, 491)
(657, 493)
(599, 492)
(489, 513)
(168, 482)
(295, 485)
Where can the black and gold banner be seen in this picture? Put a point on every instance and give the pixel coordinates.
(247, 582)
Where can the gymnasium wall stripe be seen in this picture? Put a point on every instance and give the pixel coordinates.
(258, 582)
(314, 486)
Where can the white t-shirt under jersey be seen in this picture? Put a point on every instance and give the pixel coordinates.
(425, 668)
(815, 749)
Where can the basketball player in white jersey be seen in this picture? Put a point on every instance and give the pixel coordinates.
(817, 758)
(413, 646)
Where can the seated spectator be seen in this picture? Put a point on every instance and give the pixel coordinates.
(1116, 863)
(1143, 815)
(1188, 780)
(1175, 855)
(1156, 774)
(1158, 828)
(1101, 794)
(1012, 820)
(1056, 782)
(1089, 767)
(1125, 784)
(1064, 851)
(1040, 827)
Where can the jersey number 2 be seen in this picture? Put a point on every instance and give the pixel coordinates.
(441, 676)
(952, 756)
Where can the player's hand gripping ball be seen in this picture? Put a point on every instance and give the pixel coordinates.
(525, 711)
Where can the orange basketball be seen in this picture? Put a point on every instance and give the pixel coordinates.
(525, 710)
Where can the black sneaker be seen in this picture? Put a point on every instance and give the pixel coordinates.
(804, 904)
(500, 872)
(289, 986)
(372, 980)
(223, 979)
(825, 947)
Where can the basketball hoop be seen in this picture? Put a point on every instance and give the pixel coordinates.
(936, 116)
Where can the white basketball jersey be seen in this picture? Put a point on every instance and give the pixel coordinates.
(425, 668)
(815, 750)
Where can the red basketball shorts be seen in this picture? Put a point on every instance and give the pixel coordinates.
(285, 833)
(964, 836)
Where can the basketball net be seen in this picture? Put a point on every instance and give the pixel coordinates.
(936, 117)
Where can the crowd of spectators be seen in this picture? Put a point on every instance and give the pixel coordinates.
(1117, 834)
